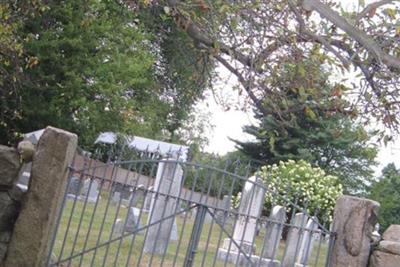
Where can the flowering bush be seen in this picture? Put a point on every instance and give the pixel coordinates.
(299, 182)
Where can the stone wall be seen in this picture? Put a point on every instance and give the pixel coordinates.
(10, 195)
(387, 252)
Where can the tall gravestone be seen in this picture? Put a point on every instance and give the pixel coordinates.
(244, 233)
(167, 187)
(294, 239)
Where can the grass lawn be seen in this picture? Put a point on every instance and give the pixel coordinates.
(92, 231)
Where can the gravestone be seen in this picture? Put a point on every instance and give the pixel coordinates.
(376, 236)
(90, 191)
(168, 182)
(132, 221)
(274, 227)
(148, 197)
(74, 186)
(25, 174)
(116, 197)
(118, 227)
(244, 233)
(137, 195)
(294, 239)
(130, 225)
(193, 214)
(174, 232)
(225, 206)
(123, 189)
(307, 241)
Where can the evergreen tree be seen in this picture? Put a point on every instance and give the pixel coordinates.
(313, 124)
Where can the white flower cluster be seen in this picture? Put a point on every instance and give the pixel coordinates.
(291, 181)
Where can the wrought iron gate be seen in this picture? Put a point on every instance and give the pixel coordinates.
(149, 212)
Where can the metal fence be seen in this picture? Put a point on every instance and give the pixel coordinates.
(182, 214)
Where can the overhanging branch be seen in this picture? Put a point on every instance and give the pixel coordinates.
(363, 39)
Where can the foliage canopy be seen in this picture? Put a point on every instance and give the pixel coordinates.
(252, 38)
(386, 192)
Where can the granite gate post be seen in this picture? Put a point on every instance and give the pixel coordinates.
(35, 226)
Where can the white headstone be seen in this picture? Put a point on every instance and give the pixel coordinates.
(132, 221)
(90, 190)
(274, 232)
(294, 239)
(307, 241)
(118, 227)
(167, 187)
(376, 236)
(250, 208)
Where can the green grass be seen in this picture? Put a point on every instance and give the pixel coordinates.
(108, 253)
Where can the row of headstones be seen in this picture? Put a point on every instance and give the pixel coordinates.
(239, 249)
(88, 191)
(161, 225)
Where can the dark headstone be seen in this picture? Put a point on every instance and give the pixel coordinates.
(74, 186)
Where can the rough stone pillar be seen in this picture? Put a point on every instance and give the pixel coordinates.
(34, 228)
(354, 221)
(167, 187)
(387, 253)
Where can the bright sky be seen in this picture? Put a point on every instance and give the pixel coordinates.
(228, 124)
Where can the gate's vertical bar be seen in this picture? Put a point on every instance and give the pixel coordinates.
(195, 236)
(332, 239)
(197, 173)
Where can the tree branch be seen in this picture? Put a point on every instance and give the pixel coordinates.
(372, 7)
(369, 44)
(197, 35)
(244, 83)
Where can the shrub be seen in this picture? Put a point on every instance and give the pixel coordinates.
(299, 182)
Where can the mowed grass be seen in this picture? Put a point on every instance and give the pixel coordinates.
(94, 245)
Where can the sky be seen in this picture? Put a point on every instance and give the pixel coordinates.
(228, 124)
